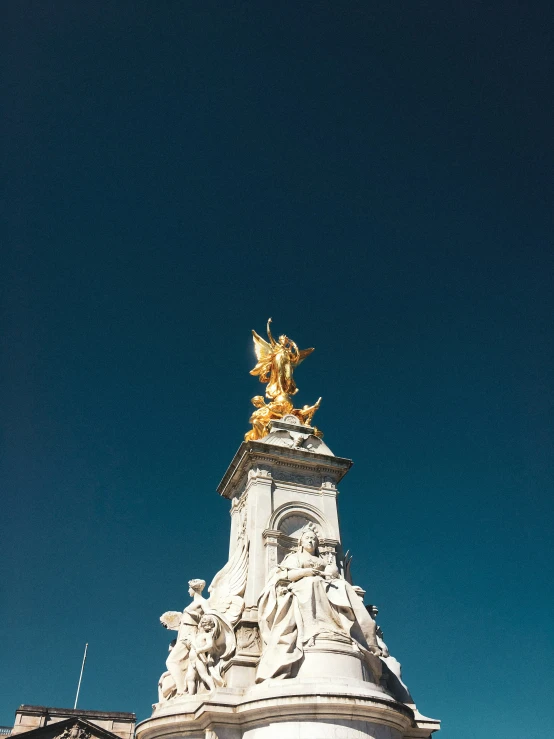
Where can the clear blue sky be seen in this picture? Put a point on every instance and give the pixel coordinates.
(378, 178)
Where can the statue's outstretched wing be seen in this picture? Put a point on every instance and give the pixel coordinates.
(227, 587)
(302, 354)
(262, 348)
(171, 620)
(264, 354)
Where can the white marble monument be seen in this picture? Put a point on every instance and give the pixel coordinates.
(283, 646)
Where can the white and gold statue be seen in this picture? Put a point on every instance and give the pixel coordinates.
(275, 365)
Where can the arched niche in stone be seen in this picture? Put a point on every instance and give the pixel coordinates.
(285, 525)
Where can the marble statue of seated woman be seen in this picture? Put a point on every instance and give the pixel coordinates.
(304, 600)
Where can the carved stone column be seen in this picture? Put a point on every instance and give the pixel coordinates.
(271, 540)
(259, 491)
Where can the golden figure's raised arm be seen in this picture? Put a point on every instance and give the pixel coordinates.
(269, 336)
(306, 413)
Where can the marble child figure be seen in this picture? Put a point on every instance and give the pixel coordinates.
(203, 650)
(204, 638)
(305, 599)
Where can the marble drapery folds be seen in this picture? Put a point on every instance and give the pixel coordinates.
(305, 600)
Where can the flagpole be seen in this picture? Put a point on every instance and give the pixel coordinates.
(81, 676)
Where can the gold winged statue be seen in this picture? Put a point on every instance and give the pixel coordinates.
(276, 361)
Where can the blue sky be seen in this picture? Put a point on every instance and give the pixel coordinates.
(378, 179)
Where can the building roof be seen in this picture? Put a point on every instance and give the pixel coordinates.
(56, 729)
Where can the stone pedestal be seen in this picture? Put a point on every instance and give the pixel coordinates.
(277, 486)
(328, 659)
(316, 708)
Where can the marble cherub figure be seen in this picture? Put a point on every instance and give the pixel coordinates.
(204, 656)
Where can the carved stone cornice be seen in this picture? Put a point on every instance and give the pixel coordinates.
(254, 454)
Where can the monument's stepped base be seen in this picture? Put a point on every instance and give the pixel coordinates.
(322, 708)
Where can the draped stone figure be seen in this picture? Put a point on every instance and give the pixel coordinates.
(186, 624)
(304, 600)
(205, 638)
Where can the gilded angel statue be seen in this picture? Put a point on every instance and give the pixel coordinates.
(276, 361)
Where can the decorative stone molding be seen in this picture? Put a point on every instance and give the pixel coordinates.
(238, 503)
(300, 479)
(254, 454)
(74, 732)
(285, 708)
(289, 420)
(303, 512)
(259, 473)
(248, 638)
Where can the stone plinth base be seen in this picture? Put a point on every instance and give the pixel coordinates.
(241, 672)
(311, 708)
(331, 658)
